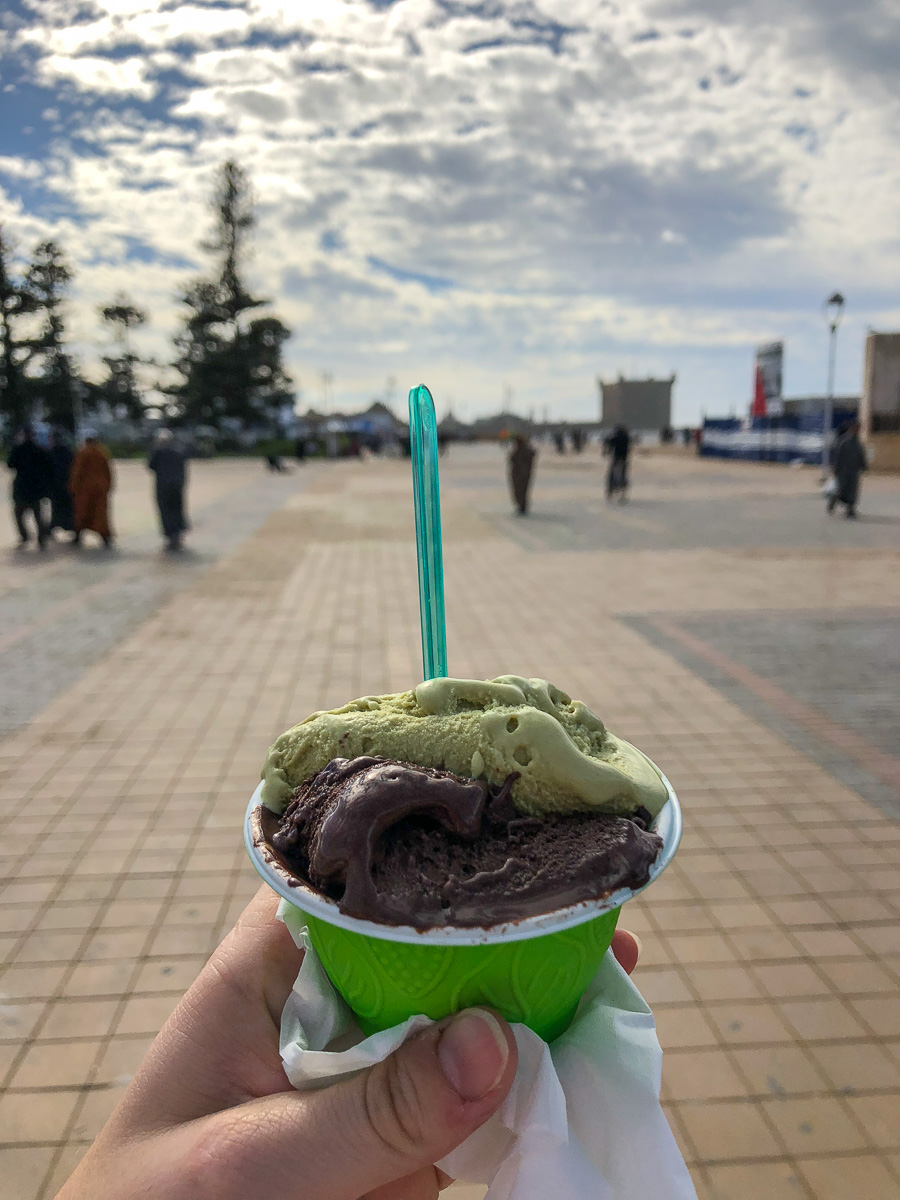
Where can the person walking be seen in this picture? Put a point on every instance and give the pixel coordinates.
(62, 515)
(521, 467)
(169, 463)
(90, 483)
(618, 447)
(31, 485)
(849, 462)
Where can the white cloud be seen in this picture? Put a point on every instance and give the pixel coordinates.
(101, 76)
(586, 187)
(20, 168)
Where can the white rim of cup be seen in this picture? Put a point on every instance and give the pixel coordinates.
(668, 825)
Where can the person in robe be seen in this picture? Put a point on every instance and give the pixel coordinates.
(168, 463)
(618, 446)
(62, 513)
(31, 485)
(90, 483)
(849, 461)
(521, 467)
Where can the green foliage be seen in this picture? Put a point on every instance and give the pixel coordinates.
(17, 303)
(230, 369)
(120, 388)
(53, 385)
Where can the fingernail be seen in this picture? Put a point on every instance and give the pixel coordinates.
(639, 943)
(473, 1053)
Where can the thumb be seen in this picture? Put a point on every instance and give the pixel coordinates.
(384, 1124)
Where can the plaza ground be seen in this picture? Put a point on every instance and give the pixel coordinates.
(720, 620)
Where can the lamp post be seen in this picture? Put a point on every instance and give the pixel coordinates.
(834, 310)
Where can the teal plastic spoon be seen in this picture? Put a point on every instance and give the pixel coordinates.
(427, 502)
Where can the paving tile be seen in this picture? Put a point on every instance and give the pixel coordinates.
(748, 1024)
(821, 1020)
(56, 1064)
(680, 1027)
(857, 977)
(166, 975)
(35, 1116)
(728, 1129)
(761, 945)
(881, 939)
(723, 983)
(8, 1053)
(114, 943)
(780, 1070)
(783, 980)
(19, 1018)
(24, 1168)
(880, 1118)
(800, 912)
(99, 979)
(691, 948)
(827, 943)
(661, 984)
(857, 1066)
(75, 918)
(864, 1176)
(774, 1181)
(21, 982)
(881, 1013)
(700, 1075)
(146, 1014)
(814, 1125)
(82, 1018)
(16, 918)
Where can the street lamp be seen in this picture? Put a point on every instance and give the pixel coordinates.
(834, 310)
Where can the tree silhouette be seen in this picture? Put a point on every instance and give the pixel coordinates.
(230, 370)
(120, 387)
(54, 385)
(16, 302)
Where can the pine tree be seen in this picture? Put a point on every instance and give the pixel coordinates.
(55, 384)
(16, 302)
(230, 370)
(120, 388)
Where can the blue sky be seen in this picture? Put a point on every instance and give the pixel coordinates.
(496, 197)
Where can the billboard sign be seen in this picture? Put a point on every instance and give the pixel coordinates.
(767, 398)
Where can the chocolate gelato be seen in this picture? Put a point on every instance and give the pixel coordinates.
(404, 844)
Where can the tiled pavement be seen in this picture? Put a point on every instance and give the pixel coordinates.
(61, 610)
(771, 952)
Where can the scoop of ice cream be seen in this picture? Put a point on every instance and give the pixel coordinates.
(565, 759)
(412, 845)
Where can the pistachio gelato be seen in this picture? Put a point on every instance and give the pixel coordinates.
(563, 758)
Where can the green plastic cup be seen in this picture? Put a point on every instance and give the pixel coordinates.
(534, 970)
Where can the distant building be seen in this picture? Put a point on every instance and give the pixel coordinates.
(490, 428)
(880, 408)
(640, 404)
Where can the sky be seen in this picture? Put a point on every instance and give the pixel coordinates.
(502, 199)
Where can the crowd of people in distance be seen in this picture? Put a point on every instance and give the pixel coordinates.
(848, 462)
(60, 491)
(616, 445)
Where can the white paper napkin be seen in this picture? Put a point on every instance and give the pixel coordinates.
(582, 1119)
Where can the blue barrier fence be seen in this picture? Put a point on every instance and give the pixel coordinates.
(769, 439)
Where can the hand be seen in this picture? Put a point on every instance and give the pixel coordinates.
(210, 1113)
